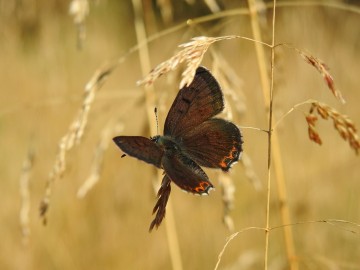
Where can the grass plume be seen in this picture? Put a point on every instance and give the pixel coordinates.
(192, 54)
(73, 135)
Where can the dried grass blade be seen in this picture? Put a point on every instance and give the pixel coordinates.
(79, 9)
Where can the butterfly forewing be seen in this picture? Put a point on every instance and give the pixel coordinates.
(185, 173)
(141, 148)
(194, 104)
(216, 143)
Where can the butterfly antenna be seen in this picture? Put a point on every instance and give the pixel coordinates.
(157, 122)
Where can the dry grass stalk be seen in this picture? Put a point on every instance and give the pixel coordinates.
(324, 71)
(192, 53)
(342, 123)
(274, 156)
(79, 9)
(250, 172)
(140, 29)
(345, 225)
(227, 190)
(166, 10)
(230, 238)
(338, 223)
(96, 167)
(74, 134)
(57, 171)
(273, 152)
(25, 196)
(230, 82)
(212, 5)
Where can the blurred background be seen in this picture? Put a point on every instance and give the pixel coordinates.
(48, 55)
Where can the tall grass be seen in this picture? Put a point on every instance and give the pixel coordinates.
(110, 223)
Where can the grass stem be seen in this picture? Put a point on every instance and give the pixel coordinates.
(274, 153)
(173, 241)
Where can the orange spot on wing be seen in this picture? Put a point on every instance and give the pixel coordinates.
(224, 163)
(202, 187)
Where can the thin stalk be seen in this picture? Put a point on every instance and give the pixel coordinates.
(172, 238)
(270, 131)
(274, 153)
(265, 83)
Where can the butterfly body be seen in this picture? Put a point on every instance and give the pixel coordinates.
(193, 137)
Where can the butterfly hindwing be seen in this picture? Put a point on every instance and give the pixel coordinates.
(194, 104)
(185, 173)
(216, 143)
(141, 148)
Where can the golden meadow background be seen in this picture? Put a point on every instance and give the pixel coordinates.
(43, 75)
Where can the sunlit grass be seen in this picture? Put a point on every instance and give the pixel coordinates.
(42, 90)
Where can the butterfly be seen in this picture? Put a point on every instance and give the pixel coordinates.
(192, 138)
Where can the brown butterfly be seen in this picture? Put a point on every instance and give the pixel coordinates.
(192, 138)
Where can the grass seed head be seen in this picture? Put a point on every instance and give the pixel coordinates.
(324, 71)
(192, 54)
(342, 123)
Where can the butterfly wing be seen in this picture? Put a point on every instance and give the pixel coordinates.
(215, 143)
(185, 173)
(194, 104)
(141, 148)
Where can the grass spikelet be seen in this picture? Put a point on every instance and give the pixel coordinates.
(342, 123)
(192, 53)
(313, 134)
(324, 71)
(25, 196)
